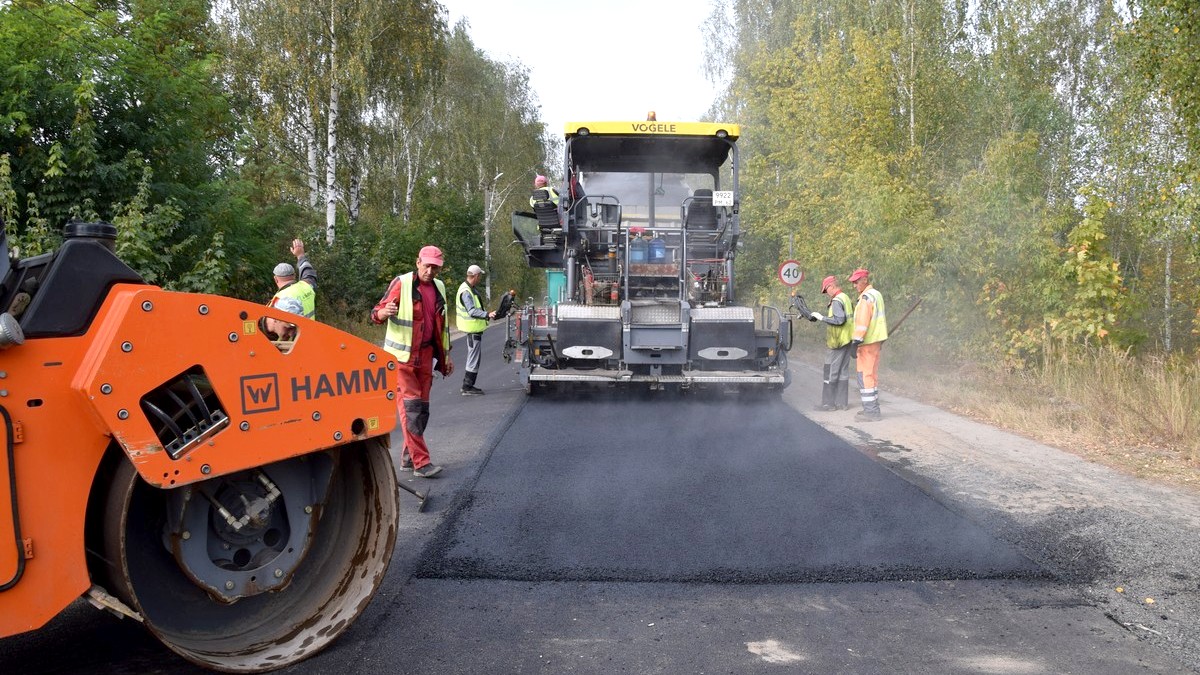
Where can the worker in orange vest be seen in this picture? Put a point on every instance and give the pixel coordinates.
(870, 331)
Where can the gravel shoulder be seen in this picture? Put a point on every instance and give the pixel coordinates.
(1131, 547)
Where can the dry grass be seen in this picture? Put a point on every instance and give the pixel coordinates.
(1139, 415)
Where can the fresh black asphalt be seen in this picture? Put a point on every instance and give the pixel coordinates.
(625, 486)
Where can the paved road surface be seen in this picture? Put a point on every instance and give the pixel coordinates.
(649, 534)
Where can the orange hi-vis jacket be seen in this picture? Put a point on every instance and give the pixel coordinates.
(870, 317)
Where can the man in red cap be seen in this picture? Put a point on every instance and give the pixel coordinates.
(835, 389)
(870, 330)
(418, 335)
(542, 192)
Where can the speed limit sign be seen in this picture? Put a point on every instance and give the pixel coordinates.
(790, 273)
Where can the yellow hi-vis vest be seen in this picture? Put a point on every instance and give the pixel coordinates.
(302, 292)
(466, 322)
(877, 329)
(839, 336)
(398, 339)
(551, 195)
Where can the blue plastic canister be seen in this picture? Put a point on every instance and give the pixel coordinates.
(637, 250)
(658, 250)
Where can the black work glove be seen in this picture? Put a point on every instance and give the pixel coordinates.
(854, 348)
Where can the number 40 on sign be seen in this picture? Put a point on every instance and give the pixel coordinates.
(790, 273)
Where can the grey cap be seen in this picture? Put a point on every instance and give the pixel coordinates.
(290, 305)
(284, 270)
(474, 269)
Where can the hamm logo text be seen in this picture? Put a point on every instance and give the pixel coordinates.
(309, 388)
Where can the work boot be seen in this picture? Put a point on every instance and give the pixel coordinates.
(826, 394)
(864, 416)
(841, 395)
(468, 385)
(427, 471)
(405, 461)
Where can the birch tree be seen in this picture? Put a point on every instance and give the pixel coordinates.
(318, 72)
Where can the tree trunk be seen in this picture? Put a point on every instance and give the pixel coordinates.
(331, 152)
(1167, 293)
(412, 159)
(911, 28)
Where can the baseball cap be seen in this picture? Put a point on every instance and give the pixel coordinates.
(857, 274)
(431, 255)
(827, 281)
(290, 305)
(474, 269)
(284, 270)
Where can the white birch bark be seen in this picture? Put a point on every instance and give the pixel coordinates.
(331, 152)
(1167, 295)
(910, 11)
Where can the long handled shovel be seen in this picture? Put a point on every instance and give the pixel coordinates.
(892, 330)
(422, 496)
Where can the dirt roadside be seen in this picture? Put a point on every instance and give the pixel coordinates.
(1130, 545)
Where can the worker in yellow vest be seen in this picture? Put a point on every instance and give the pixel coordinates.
(542, 193)
(297, 296)
(870, 331)
(472, 319)
(418, 336)
(835, 387)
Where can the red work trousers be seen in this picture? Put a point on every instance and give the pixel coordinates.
(415, 379)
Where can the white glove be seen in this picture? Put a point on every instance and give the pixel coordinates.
(818, 316)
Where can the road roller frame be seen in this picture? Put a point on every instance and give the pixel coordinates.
(145, 429)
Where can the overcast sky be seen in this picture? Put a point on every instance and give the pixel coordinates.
(599, 59)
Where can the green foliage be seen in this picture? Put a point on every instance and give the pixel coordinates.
(38, 237)
(1000, 249)
(947, 148)
(8, 196)
(144, 233)
(209, 274)
(841, 179)
(96, 93)
(1165, 39)
(1096, 293)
